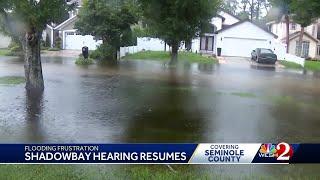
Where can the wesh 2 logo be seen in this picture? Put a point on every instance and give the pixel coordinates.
(282, 151)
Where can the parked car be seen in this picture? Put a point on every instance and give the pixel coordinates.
(261, 55)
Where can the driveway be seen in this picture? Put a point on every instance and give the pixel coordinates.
(62, 53)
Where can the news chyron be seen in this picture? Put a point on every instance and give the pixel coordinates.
(245, 153)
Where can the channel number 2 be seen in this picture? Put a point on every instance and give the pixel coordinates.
(285, 149)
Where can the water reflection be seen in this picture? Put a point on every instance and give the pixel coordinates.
(169, 113)
(263, 67)
(34, 116)
(206, 68)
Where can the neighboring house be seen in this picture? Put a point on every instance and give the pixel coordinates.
(231, 36)
(310, 43)
(66, 35)
(5, 41)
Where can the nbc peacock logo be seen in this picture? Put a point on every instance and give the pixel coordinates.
(268, 150)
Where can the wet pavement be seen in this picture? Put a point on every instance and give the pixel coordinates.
(146, 101)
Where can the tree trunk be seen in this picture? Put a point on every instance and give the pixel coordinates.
(258, 11)
(287, 31)
(300, 40)
(32, 63)
(174, 54)
(251, 11)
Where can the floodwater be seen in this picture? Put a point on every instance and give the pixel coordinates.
(146, 101)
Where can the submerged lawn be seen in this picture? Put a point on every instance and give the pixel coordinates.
(4, 52)
(309, 65)
(312, 65)
(290, 65)
(11, 80)
(165, 56)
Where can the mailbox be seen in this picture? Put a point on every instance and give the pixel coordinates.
(85, 52)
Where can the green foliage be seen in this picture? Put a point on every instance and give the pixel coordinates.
(305, 13)
(103, 52)
(108, 20)
(14, 49)
(178, 20)
(281, 8)
(175, 21)
(230, 6)
(139, 31)
(25, 16)
(47, 42)
(82, 61)
(58, 44)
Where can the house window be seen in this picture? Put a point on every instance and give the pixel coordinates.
(302, 50)
(70, 33)
(207, 43)
(318, 50)
(293, 26)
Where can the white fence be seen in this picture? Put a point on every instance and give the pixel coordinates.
(295, 59)
(144, 43)
(280, 51)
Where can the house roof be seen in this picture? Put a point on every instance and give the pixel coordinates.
(297, 34)
(243, 21)
(66, 22)
(223, 18)
(231, 14)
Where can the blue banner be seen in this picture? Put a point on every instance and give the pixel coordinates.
(281, 153)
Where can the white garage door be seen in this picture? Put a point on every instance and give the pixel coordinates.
(76, 42)
(242, 47)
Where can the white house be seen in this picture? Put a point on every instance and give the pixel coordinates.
(235, 37)
(5, 41)
(310, 42)
(67, 34)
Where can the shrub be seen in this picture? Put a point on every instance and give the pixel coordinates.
(82, 61)
(58, 43)
(47, 42)
(103, 52)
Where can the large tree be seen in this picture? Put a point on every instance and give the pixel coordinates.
(175, 21)
(25, 20)
(231, 6)
(110, 21)
(253, 9)
(303, 14)
(283, 10)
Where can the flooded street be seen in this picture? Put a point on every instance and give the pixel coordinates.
(146, 101)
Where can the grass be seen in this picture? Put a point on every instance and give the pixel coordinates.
(4, 52)
(291, 65)
(82, 61)
(11, 80)
(312, 65)
(309, 65)
(165, 56)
